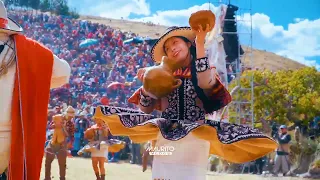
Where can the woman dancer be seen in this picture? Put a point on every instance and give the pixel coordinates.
(182, 124)
(97, 136)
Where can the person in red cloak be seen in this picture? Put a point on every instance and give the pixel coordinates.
(27, 72)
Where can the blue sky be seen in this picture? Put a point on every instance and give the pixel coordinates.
(290, 28)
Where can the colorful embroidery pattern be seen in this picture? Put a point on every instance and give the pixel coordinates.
(177, 129)
(202, 64)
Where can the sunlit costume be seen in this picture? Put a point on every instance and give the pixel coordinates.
(99, 145)
(183, 124)
(62, 140)
(27, 72)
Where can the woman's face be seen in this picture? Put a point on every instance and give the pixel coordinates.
(177, 50)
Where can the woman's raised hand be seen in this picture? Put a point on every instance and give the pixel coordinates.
(201, 33)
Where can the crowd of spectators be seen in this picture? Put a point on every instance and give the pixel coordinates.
(94, 68)
(102, 73)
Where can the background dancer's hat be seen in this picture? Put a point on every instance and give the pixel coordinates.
(70, 111)
(157, 50)
(283, 127)
(7, 25)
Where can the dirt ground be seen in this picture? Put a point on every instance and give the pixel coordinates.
(80, 169)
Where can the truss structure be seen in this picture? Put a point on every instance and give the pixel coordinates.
(241, 109)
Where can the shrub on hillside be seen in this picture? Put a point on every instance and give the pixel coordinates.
(45, 6)
(74, 14)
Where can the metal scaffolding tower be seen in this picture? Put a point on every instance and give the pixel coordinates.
(241, 108)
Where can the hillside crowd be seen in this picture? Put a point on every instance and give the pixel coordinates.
(102, 74)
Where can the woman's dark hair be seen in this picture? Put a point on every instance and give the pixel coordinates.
(209, 105)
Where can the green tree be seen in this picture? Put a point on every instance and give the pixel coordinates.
(45, 5)
(24, 3)
(73, 13)
(61, 7)
(35, 4)
(10, 2)
(283, 96)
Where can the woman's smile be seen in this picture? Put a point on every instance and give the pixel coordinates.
(175, 54)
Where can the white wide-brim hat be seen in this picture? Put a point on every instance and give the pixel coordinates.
(8, 25)
(157, 51)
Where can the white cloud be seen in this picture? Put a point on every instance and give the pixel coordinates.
(261, 22)
(299, 42)
(174, 17)
(112, 8)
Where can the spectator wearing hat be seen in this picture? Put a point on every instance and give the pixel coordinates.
(82, 123)
(282, 155)
(97, 135)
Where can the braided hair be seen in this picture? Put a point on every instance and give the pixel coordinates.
(209, 105)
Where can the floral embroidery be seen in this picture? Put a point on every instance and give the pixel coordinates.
(180, 117)
(227, 133)
(202, 64)
(173, 125)
(192, 112)
(145, 101)
(219, 93)
(186, 95)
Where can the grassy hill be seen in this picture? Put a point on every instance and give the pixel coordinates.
(260, 59)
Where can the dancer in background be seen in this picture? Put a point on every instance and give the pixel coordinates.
(97, 135)
(62, 140)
